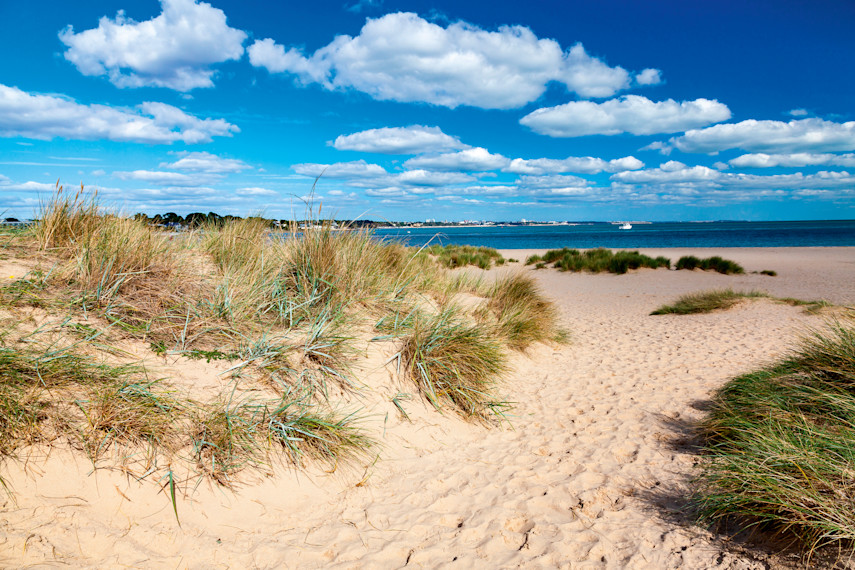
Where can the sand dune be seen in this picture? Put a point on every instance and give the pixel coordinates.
(591, 472)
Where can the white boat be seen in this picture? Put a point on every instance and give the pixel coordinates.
(625, 226)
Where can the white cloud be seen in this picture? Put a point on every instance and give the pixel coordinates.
(338, 170)
(798, 112)
(762, 160)
(671, 171)
(629, 114)
(255, 191)
(205, 162)
(552, 181)
(662, 147)
(414, 139)
(428, 178)
(469, 160)
(676, 176)
(402, 57)
(28, 186)
(579, 164)
(48, 116)
(497, 190)
(163, 178)
(174, 49)
(803, 135)
(649, 77)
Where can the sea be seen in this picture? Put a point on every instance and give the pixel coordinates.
(831, 233)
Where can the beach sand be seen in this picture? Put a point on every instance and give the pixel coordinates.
(593, 471)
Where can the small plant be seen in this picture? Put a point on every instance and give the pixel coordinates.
(523, 315)
(129, 413)
(301, 430)
(706, 302)
(769, 272)
(452, 362)
(597, 260)
(720, 299)
(226, 438)
(714, 263)
(453, 256)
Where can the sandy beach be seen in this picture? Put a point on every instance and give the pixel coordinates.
(593, 469)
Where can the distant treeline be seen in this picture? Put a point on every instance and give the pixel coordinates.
(198, 219)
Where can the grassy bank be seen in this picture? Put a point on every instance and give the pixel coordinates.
(778, 444)
(722, 299)
(596, 260)
(286, 317)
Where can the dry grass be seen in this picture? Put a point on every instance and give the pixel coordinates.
(283, 311)
(453, 362)
(722, 299)
(523, 316)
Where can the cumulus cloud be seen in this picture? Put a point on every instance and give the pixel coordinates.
(551, 181)
(629, 114)
(762, 160)
(29, 186)
(48, 116)
(402, 57)
(205, 162)
(579, 164)
(671, 171)
(415, 139)
(675, 176)
(428, 178)
(163, 178)
(173, 50)
(805, 135)
(469, 160)
(649, 77)
(255, 191)
(341, 170)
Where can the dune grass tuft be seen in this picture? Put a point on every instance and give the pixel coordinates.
(302, 429)
(714, 263)
(778, 444)
(522, 314)
(453, 362)
(721, 299)
(226, 438)
(598, 260)
(453, 256)
(706, 302)
(130, 413)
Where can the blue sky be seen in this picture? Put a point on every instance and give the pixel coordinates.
(608, 110)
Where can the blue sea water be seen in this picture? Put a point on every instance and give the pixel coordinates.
(659, 234)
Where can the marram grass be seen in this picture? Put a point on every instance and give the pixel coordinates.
(706, 302)
(522, 314)
(714, 263)
(280, 311)
(598, 260)
(454, 363)
(722, 299)
(778, 444)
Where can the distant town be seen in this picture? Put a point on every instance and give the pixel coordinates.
(177, 222)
